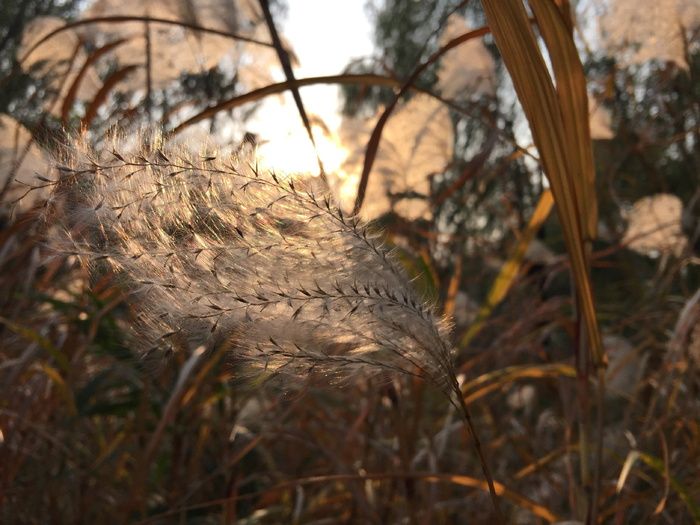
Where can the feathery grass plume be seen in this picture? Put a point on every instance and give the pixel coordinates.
(214, 252)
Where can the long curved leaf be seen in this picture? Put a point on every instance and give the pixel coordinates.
(514, 497)
(573, 98)
(69, 98)
(121, 19)
(104, 91)
(273, 89)
(539, 99)
(562, 144)
(487, 383)
(509, 270)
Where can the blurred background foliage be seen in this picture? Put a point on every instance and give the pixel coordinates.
(91, 432)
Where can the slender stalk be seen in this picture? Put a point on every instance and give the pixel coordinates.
(583, 497)
(597, 369)
(598, 458)
(466, 416)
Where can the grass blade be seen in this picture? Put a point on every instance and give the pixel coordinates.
(121, 19)
(573, 98)
(101, 96)
(564, 144)
(69, 98)
(509, 271)
(518, 45)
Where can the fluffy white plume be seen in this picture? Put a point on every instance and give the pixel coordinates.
(638, 32)
(468, 70)
(20, 160)
(654, 226)
(214, 252)
(417, 142)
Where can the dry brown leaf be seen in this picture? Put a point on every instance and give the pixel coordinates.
(546, 109)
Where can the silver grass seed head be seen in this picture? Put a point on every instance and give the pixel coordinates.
(213, 251)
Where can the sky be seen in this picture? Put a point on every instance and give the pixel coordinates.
(325, 36)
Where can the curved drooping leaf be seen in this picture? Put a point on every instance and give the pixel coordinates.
(65, 64)
(75, 88)
(101, 96)
(545, 112)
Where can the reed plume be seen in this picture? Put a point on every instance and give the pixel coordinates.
(213, 251)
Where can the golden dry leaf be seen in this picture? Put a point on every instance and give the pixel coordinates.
(510, 269)
(558, 119)
(573, 101)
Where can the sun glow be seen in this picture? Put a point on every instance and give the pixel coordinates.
(291, 152)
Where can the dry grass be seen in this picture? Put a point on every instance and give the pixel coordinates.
(188, 339)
